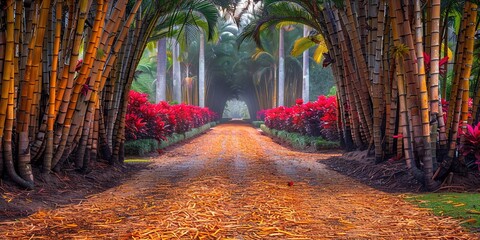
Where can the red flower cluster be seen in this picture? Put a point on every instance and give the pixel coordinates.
(445, 106)
(158, 121)
(472, 143)
(312, 118)
(261, 114)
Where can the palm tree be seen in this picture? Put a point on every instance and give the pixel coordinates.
(305, 69)
(195, 17)
(368, 91)
(161, 83)
(93, 58)
(201, 71)
(177, 72)
(281, 68)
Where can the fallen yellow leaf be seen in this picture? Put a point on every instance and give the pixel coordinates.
(473, 211)
(471, 220)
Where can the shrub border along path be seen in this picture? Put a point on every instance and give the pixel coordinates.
(142, 147)
(299, 141)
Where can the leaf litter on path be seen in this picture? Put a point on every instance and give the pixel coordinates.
(238, 188)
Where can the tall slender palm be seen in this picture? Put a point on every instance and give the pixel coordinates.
(281, 67)
(201, 71)
(198, 16)
(306, 69)
(161, 83)
(177, 72)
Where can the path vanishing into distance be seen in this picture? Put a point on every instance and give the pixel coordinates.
(235, 183)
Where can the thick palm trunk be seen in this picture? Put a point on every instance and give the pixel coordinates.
(405, 133)
(461, 102)
(47, 161)
(7, 100)
(457, 70)
(28, 87)
(436, 116)
(8, 56)
(336, 53)
(353, 104)
(95, 87)
(2, 58)
(66, 86)
(424, 99)
(7, 139)
(377, 86)
(358, 59)
(404, 125)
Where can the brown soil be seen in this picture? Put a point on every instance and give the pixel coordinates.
(58, 189)
(390, 176)
(235, 183)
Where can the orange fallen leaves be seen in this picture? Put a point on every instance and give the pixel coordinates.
(229, 192)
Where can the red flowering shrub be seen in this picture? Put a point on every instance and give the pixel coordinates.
(146, 120)
(312, 118)
(261, 114)
(446, 105)
(472, 143)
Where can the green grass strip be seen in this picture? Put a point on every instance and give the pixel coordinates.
(462, 206)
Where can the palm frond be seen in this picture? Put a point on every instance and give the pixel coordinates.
(301, 45)
(318, 54)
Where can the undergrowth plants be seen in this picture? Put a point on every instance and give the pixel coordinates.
(145, 120)
(318, 118)
(471, 143)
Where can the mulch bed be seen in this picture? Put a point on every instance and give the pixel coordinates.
(58, 189)
(392, 176)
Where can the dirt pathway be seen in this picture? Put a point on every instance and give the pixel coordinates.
(233, 183)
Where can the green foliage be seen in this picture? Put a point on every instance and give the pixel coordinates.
(144, 83)
(325, 144)
(236, 109)
(257, 124)
(464, 206)
(321, 81)
(142, 147)
(281, 11)
(299, 141)
(189, 16)
(100, 53)
(333, 91)
(145, 75)
(137, 160)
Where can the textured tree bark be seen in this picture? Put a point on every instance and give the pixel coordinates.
(461, 101)
(424, 99)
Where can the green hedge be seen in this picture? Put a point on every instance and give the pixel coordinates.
(299, 141)
(257, 124)
(142, 147)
